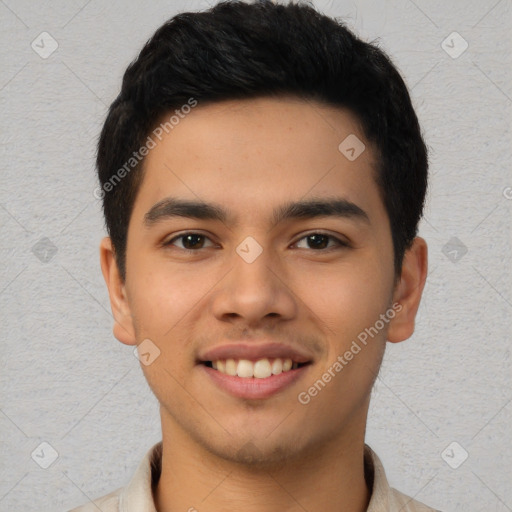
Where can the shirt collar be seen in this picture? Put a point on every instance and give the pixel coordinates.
(138, 494)
(376, 481)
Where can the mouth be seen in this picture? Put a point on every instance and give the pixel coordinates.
(253, 371)
(254, 379)
(262, 368)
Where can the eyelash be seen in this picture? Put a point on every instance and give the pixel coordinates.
(339, 243)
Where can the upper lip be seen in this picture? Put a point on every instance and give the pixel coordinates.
(253, 351)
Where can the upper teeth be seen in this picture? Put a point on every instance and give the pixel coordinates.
(260, 369)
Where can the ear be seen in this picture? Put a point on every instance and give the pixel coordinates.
(123, 322)
(408, 291)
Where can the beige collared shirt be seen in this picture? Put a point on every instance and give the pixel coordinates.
(137, 496)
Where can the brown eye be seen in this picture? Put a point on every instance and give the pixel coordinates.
(319, 241)
(189, 241)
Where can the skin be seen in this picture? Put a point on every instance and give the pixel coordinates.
(223, 453)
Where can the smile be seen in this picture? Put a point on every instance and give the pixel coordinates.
(253, 371)
(260, 369)
(253, 380)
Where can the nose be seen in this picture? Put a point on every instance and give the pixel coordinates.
(255, 294)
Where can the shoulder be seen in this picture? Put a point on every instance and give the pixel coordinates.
(107, 503)
(384, 497)
(137, 495)
(400, 501)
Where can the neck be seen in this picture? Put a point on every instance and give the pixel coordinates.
(328, 478)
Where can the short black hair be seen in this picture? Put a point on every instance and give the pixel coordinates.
(237, 50)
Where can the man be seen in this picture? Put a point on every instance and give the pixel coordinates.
(262, 174)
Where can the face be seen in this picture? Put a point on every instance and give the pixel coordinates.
(250, 278)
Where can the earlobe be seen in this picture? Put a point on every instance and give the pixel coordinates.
(408, 291)
(123, 323)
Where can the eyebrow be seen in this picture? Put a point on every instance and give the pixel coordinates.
(329, 207)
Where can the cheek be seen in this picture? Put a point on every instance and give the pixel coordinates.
(345, 300)
(351, 302)
(165, 305)
(163, 297)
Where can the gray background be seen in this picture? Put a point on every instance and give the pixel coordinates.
(67, 382)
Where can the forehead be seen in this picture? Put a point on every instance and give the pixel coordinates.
(258, 153)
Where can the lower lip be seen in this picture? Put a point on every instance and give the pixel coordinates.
(253, 388)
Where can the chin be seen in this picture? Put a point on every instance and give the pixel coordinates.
(258, 456)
